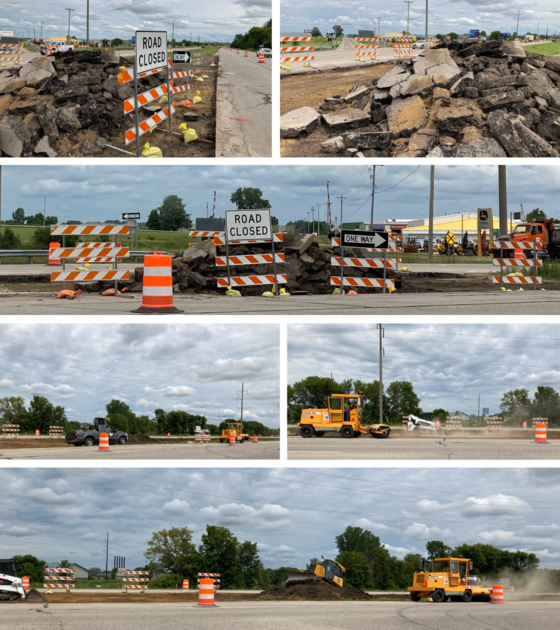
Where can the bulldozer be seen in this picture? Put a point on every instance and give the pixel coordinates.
(11, 587)
(234, 429)
(326, 570)
(344, 415)
(447, 578)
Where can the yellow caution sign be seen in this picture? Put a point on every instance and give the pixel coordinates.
(450, 238)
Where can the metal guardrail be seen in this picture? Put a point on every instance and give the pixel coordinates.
(31, 253)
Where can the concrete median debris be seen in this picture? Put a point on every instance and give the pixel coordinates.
(486, 99)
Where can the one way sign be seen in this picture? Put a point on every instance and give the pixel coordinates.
(378, 240)
(181, 56)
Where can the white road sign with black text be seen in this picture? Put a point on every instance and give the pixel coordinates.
(355, 238)
(151, 50)
(246, 225)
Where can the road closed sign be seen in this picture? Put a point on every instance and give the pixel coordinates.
(151, 50)
(246, 225)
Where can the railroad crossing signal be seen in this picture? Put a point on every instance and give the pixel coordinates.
(336, 226)
(450, 238)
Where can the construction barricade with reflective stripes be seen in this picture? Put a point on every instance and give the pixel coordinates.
(202, 437)
(532, 262)
(135, 583)
(11, 52)
(10, 430)
(494, 422)
(297, 49)
(59, 578)
(56, 431)
(539, 421)
(453, 422)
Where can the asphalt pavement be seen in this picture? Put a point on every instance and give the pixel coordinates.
(26, 56)
(243, 106)
(499, 303)
(421, 448)
(279, 615)
(247, 451)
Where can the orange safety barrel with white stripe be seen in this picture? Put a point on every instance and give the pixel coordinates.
(497, 594)
(255, 440)
(261, 57)
(104, 442)
(540, 433)
(157, 285)
(362, 282)
(25, 582)
(232, 440)
(53, 260)
(185, 585)
(206, 592)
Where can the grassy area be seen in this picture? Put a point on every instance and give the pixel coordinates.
(550, 270)
(552, 48)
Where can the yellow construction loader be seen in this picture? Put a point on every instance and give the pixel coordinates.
(234, 429)
(447, 578)
(344, 415)
(326, 570)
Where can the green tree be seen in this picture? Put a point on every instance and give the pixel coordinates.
(12, 410)
(153, 222)
(9, 239)
(515, 403)
(219, 554)
(494, 36)
(356, 539)
(64, 563)
(441, 37)
(453, 36)
(18, 216)
(171, 549)
(437, 549)
(536, 215)
(402, 401)
(249, 199)
(314, 391)
(316, 32)
(249, 564)
(172, 214)
(31, 567)
(439, 414)
(117, 406)
(546, 404)
(114, 571)
(42, 414)
(117, 42)
(167, 580)
(410, 564)
(482, 33)
(358, 572)
(371, 395)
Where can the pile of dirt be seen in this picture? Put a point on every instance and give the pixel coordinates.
(314, 591)
(71, 104)
(487, 99)
(308, 269)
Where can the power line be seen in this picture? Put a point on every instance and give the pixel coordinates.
(119, 8)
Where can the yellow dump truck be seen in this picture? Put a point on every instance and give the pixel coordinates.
(323, 570)
(344, 415)
(234, 429)
(447, 578)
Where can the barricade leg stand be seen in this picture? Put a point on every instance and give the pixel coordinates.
(276, 288)
(136, 114)
(384, 270)
(341, 266)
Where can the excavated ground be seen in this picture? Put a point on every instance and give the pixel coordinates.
(314, 591)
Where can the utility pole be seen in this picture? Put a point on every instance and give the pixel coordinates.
(431, 216)
(87, 23)
(206, 209)
(243, 391)
(312, 219)
(41, 29)
(372, 195)
(69, 15)
(318, 221)
(408, 2)
(427, 20)
(381, 335)
(44, 210)
(502, 190)
(107, 557)
(518, 14)
(342, 198)
(173, 33)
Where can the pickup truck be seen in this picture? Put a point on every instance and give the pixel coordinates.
(90, 435)
(58, 46)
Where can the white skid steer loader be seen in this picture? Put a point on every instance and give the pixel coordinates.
(11, 587)
(414, 422)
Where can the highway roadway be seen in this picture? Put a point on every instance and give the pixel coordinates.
(243, 106)
(526, 302)
(248, 451)
(420, 448)
(342, 57)
(279, 615)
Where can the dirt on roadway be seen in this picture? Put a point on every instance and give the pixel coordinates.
(310, 90)
(314, 591)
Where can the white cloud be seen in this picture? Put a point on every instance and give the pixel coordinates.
(177, 507)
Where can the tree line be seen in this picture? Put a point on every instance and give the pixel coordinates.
(399, 398)
(254, 37)
(518, 406)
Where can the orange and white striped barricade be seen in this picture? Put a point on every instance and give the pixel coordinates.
(103, 441)
(524, 424)
(540, 433)
(367, 39)
(360, 240)
(10, 430)
(135, 583)
(299, 48)
(13, 52)
(37, 432)
(56, 431)
(255, 439)
(532, 262)
(185, 585)
(497, 594)
(241, 225)
(539, 421)
(216, 584)
(59, 578)
(453, 423)
(494, 422)
(157, 285)
(99, 259)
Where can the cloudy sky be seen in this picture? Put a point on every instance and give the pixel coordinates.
(449, 365)
(184, 367)
(273, 507)
(99, 193)
(445, 16)
(219, 21)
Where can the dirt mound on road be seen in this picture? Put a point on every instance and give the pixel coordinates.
(318, 591)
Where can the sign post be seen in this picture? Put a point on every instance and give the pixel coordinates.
(151, 54)
(183, 56)
(246, 226)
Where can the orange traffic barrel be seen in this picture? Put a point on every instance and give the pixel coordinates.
(206, 592)
(36, 432)
(497, 594)
(25, 582)
(231, 439)
(53, 261)
(169, 435)
(540, 433)
(524, 425)
(104, 442)
(157, 285)
(185, 585)
(238, 51)
(255, 440)
(518, 253)
(261, 57)
(246, 53)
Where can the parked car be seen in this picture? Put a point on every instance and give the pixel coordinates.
(421, 44)
(267, 52)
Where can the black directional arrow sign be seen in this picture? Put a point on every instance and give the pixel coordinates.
(355, 238)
